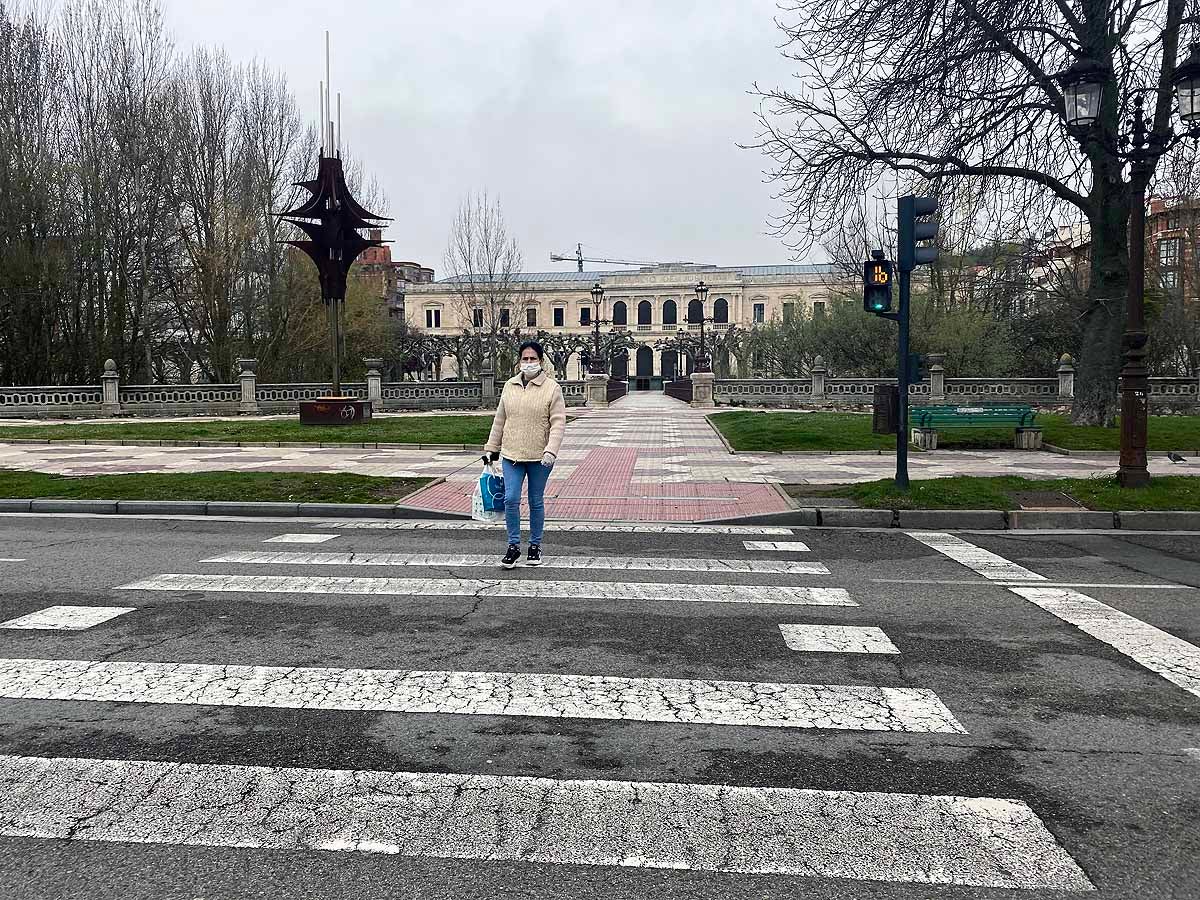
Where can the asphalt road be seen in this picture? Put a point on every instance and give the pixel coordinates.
(1077, 716)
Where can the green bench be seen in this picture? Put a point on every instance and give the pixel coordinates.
(926, 420)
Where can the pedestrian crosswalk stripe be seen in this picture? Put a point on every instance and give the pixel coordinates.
(787, 546)
(67, 618)
(836, 639)
(580, 563)
(553, 526)
(301, 539)
(509, 588)
(892, 837)
(673, 700)
(1193, 752)
(986, 563)
(1171, 657)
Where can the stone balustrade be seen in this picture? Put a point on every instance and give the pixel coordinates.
(249, 397)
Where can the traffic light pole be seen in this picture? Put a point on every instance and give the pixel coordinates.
(902, 382)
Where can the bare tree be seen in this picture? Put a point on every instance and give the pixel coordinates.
(950, 95)
(483, 263)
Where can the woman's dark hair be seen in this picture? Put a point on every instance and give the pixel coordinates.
(535, 347)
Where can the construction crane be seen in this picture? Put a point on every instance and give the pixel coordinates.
(580, 259)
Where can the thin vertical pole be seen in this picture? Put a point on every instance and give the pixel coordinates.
(902, 386)
(1135, 384)
(328, 93)
(339, 129)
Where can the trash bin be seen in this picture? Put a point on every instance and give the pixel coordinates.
(886, 418)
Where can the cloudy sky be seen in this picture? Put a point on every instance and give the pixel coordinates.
(610, 122)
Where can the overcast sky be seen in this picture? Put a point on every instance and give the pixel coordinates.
(610, 122)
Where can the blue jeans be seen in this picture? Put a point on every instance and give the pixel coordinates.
(515, 474)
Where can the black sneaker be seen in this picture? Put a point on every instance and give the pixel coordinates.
(511, 557)
(534, 556)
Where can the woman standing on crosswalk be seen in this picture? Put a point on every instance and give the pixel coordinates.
(527, 434)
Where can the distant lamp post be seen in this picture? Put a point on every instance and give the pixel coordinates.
(703, 363)
(1142, 146)
(597, 365)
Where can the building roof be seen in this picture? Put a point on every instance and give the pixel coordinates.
(543, 277)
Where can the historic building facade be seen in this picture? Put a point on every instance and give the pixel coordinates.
(652, 303)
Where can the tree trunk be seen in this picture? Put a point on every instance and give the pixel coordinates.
(1103, 318)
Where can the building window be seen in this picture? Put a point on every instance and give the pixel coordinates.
(585, 315)
(560, 315)
(477, 317)
(645, 312)
(695, 312)
(531, 317)
(670, 313)
(1170, 278)
(433, 318)
(818, 309)
(505, 318)
(1173, 220)
(721, 311)
(760, 313)
(1168, 252)
(620, 313)
(789, 313)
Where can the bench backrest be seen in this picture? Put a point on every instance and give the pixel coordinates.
(980, 415)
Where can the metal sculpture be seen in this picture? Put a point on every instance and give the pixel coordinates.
(332, 219)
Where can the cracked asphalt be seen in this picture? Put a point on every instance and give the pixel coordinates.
(1092, 740)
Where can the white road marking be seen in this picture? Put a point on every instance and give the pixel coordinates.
(301, 539)
(1193, 752)
(553, 526)
(785, 546)
(986, 563)
(1070, 584)
(1171, 657)
(499, 588)
(917, 838)
(676, 700)
(10, 559)
(67, 618)
(473, 560)
(836, 639)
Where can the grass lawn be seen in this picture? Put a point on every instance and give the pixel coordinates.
(288, 487)
(1164, 492)
(398, 430)
(776, 431)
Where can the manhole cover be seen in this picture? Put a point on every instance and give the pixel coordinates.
(1045, 500)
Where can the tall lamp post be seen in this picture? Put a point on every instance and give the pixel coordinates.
(703, 363)
(597, 365)
(1142, 147)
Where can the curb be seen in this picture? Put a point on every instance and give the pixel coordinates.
(975, 519)
(365, 445)
(225, 508)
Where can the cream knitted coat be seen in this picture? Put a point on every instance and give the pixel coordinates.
(530, 420)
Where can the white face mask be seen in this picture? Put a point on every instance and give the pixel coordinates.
(531, 369)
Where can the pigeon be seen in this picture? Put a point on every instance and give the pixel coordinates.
(1174, 457)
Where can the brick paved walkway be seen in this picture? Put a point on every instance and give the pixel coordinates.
(630, 463)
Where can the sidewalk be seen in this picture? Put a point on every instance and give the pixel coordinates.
(634, 462)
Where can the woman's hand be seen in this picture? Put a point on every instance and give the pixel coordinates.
(548, 459)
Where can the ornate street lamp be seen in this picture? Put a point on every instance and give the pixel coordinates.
(703, 363)
(597, 365)
(1142, 146)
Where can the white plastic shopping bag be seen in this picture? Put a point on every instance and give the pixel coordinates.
(484, 505)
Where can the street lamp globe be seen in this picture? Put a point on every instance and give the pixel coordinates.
(701, 291)
(1186, 82)
(597, 293)
(1083, 90)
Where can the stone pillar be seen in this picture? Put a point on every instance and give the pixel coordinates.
(937, 377)
(374, 380)
(702, 390)
(818, 378)
(248, 404)
(110, 397)
(1066, 377)
(487, 385)
(597, 390)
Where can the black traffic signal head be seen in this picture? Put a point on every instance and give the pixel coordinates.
(877, 286)
(911, 231)
(918, 367)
